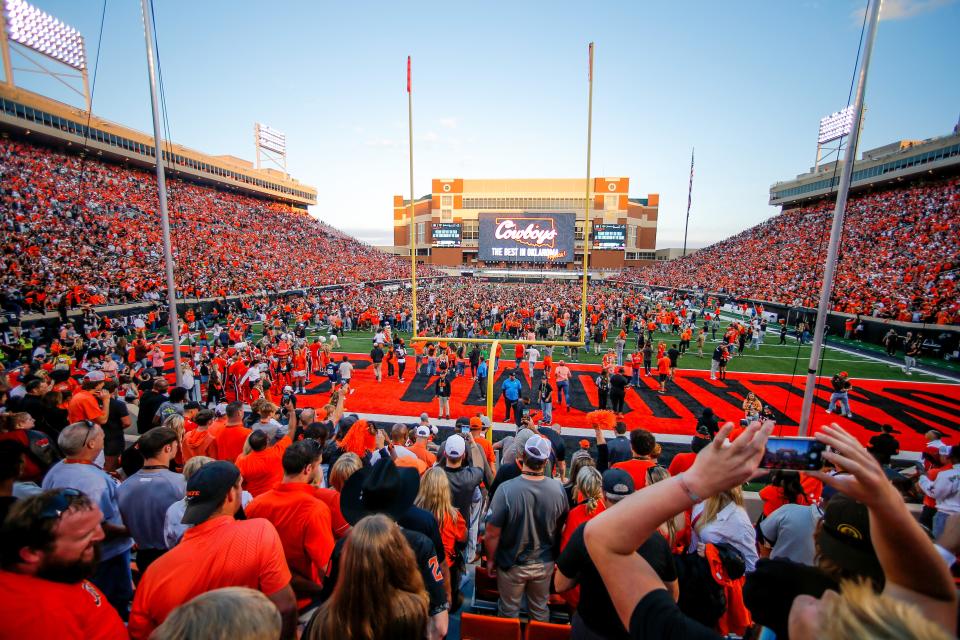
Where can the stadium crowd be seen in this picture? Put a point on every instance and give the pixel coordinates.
(899, 257)
(89, 232)
(234, 514)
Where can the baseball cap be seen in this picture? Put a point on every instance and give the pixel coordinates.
(455, 446)
(845, 539)
(512, 373)
(288, 389)
(617, 484)
(422, 431)
(220, 409)
(95, 376)
(476, 423)
(207, 489)
(537, 447)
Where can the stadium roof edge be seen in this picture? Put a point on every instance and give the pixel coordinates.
(25, 112)
(897, 161)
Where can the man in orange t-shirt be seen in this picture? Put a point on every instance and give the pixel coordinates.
(476, 432)
(419, 447)
(91, 403)
(234, 435)
(262, 468)
(303, 521)
(663, 371)
(217, 552)
(642, 443)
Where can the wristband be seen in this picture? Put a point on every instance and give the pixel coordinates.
(686, 488)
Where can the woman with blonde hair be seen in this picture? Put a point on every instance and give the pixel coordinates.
(376, 560)
(434, 496)
(676, 530)
(588, 493)
(722, 518)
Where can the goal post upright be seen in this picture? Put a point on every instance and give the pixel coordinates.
(496, 342)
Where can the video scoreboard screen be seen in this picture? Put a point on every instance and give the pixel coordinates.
(447, 234)
(526, 237)
(611, 237)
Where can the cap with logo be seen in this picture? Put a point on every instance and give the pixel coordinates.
(844, 537)
(95, 376)
(207, 488)
(422, 431)
(617, 484)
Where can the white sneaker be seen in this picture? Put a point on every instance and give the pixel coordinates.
(829, 410)
(849, 415)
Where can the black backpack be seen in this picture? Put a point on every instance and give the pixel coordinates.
(701, 597)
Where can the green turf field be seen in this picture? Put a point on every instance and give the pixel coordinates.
(771, 358)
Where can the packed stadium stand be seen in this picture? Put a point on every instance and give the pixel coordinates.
(899, 257)
(91, 229)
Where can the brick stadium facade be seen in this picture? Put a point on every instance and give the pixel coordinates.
(461, 201)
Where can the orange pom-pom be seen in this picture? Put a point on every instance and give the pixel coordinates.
(602, 419)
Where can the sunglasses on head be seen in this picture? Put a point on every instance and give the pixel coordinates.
(60, 503)
(90, 425)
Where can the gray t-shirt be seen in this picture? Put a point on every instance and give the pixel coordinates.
(144, 499)
(790, 530)
(345, 370)
(530, 515)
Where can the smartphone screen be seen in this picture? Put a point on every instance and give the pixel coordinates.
(799, 454)
(464, 429)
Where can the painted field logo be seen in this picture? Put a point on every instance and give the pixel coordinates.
(539, 232)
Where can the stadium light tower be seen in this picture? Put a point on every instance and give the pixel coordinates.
(270, 145)
(829, 269)
(27, 28)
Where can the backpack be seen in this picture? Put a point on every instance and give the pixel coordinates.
(42, 449)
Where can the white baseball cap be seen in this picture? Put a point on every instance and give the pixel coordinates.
(455, 446)
(96, 376)
(537, 447)
(422, 431)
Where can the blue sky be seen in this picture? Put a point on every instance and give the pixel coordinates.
(500, 91)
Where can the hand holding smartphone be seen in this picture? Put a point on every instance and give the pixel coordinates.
(797, 454)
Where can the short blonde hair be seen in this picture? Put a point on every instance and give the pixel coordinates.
(860, 612)
(193, 465)
(345, 466)
(232, 613)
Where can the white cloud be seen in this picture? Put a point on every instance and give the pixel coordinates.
(450, 122)
(904, 9)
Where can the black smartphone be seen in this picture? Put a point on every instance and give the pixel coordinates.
(798, 454)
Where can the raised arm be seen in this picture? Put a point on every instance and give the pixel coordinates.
(613, 537)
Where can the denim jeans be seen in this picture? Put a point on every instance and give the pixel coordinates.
(563, 391)
(844, 401)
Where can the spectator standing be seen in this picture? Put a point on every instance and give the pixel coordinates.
(233, 436)
(563, 383)
(545, 399)
(911, 351)
(220, 551)
(145, 496)
(511, 392)
(618, 390)
(642, 445)
(302, 520)
(376, 357)
(82, 444)
(262, 466)
(118, 420)
(619, 446)
(526, 516)
(603, 389)
(884, 445)
(441, 389)
(945, 490)
(722, 518)
(150, 402)
(841, 393)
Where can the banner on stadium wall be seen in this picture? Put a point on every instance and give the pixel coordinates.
(609, 237)
(447, 234)
(526, 237)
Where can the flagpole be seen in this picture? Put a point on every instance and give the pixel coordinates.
(686, 225)
(836, 231)
(172, 319)
(413, 224)
(586, 200)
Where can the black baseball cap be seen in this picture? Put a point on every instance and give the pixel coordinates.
(207, 489)
(844, 537)
(617, 484)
